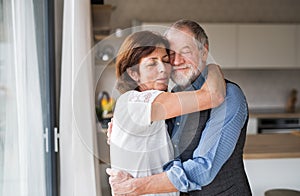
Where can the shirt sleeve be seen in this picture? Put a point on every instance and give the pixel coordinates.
(134, 108)
(217, 143)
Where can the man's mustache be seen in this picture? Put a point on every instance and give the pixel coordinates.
(181, 67)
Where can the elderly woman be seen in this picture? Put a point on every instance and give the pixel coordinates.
(140, 143)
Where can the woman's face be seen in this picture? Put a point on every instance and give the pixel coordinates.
(154, 71)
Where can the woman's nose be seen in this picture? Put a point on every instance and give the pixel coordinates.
(162, 67)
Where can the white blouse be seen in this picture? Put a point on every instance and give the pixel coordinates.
(137, 145)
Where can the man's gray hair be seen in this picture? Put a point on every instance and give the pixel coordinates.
(195, 28)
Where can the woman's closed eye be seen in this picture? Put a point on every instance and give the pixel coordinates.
(152, 62)
(155, 62)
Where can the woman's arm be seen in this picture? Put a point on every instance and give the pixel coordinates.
(211, 94)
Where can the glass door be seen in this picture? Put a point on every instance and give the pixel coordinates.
(44, 20)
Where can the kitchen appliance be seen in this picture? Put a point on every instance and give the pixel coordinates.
(278, 125)
(275, 120)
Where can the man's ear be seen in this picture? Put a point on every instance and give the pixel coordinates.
(204, 54)
(206, 46)
(133, 74)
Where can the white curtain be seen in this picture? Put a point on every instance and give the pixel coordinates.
(77, 110)
(22, 157)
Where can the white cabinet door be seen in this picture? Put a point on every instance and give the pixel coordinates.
(222, 43)
(267, 46)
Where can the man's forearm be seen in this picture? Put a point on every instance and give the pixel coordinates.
(158, 183)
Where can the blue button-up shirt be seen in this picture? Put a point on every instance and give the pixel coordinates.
(217, 142)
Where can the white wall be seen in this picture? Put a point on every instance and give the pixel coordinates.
(266, 88)
(265, 174)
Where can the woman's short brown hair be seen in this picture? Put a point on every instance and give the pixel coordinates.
(135, 47)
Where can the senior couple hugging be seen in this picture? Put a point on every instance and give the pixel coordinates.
(185, 142)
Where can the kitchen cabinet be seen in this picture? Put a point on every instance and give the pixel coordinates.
(272, 161)
(266, 46)
(298, 45)
(250, 46)
(222, 43)
(266, 174)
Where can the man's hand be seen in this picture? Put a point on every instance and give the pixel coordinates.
(121, 182)
(109, 130)
(124, 184)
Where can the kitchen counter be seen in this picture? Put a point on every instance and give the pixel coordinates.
(258, 146)
(270, 146)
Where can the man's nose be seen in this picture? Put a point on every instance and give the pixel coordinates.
(177, 59)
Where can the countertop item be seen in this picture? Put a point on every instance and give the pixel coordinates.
(268, 146)
(291, 102)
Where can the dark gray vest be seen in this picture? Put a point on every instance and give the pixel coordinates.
(231, 179)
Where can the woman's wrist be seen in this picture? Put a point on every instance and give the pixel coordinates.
(216, 85)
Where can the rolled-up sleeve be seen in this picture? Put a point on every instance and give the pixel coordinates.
(217, 143)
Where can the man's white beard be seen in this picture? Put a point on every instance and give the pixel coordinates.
(186, 78)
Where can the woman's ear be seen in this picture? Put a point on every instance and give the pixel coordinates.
(133, 74)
